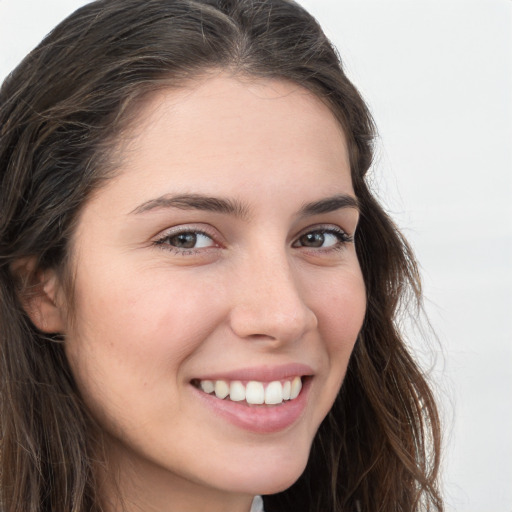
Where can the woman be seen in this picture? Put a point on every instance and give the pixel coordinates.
(189, 315)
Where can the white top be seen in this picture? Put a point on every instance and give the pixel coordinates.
(257, 504)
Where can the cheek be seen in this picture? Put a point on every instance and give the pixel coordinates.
(129, 337)
(141, 309)
(340, 317)
(339, 303)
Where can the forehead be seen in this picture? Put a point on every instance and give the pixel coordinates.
(249, 139)
(226, 122)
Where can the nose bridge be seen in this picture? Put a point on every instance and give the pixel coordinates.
(269, 300)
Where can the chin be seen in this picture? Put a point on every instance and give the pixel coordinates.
(269, 475)
(274, 486)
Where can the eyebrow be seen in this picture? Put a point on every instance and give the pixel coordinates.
(194, 202)
(237, 208)
(329, 204)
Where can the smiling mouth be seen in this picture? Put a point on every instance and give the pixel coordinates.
(252, 392)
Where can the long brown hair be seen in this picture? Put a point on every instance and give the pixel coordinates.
(61, 112)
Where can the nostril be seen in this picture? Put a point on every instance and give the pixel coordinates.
(258, 336)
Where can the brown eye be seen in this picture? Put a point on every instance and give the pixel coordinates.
(315, 239)
(187, 240)
(323, 239)
(184, 240)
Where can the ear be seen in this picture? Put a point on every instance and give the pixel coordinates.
(39, 293)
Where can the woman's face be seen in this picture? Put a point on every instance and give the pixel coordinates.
(221, 256)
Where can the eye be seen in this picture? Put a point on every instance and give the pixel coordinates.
(187, 240)
(324, 238)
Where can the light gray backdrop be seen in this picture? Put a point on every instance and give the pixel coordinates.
(438, 77)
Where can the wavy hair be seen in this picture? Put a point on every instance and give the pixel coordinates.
(61, 112)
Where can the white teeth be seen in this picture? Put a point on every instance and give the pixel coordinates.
(254, 392)
(296, 387)
(207, 386)
(287, 388)
(237, 391)
(274, 393)
(221, 389)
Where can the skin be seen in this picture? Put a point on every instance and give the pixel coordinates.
(149, 317)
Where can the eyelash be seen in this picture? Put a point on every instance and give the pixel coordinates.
(165, 241)
(343, 238)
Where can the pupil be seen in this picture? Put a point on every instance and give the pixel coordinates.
(313, 239)
(185, 240)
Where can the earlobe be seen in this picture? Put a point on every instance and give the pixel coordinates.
(39, 292)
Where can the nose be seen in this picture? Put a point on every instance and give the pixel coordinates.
(270, 302)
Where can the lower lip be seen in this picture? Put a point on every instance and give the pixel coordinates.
(263, 419)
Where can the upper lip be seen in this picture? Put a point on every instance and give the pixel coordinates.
(264, 373)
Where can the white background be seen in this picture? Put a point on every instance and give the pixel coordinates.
(438, 77)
